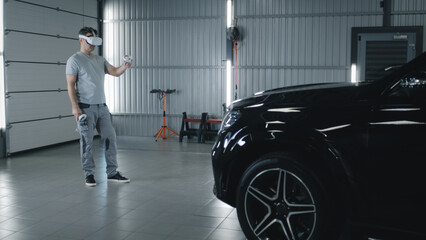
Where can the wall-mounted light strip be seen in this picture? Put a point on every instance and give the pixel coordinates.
(228, 82)
(228, 13)
(2, 83)
(110, 36)
(353, 73)
(228, 61)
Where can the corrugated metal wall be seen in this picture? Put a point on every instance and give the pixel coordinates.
(288, 42)
(175, 45)
(40, 35)
(181, 44)
(410, 13)
(298, 41)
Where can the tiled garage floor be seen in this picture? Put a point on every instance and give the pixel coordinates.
(43, 195)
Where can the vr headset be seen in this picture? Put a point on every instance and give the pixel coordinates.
(96, 41)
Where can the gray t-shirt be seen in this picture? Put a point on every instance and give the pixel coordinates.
(90, 72)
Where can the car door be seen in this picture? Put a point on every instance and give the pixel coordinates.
(397, 150)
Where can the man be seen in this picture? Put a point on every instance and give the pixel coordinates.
(85, 74)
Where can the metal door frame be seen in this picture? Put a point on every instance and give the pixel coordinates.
(414, 37)
(363, 38)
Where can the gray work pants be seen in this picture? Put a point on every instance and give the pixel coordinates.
(99, 118)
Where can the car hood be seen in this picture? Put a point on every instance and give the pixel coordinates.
(307, 95)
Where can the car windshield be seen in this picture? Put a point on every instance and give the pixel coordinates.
(396, 73)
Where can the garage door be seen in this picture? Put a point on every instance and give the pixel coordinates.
(39, 37)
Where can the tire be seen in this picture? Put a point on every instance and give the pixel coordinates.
(303, 212)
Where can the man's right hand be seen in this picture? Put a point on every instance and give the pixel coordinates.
(76, 111)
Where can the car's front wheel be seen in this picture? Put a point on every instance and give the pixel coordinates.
(281, 198)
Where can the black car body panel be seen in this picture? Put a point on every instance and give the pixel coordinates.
(368, 138)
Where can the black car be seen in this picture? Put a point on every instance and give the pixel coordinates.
(306, 162)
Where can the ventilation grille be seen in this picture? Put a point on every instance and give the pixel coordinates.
(383, 54)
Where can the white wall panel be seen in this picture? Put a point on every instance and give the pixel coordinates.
(86, 7)
(33, 105)
(30, 18)
(22, 77)
(35, 48)
(29, 135)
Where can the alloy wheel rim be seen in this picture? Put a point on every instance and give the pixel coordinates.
(279, 205)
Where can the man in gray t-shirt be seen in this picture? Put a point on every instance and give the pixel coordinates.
(85, 74)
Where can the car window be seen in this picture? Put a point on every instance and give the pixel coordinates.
(411, 86)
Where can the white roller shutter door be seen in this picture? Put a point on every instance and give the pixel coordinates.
(40, 35)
